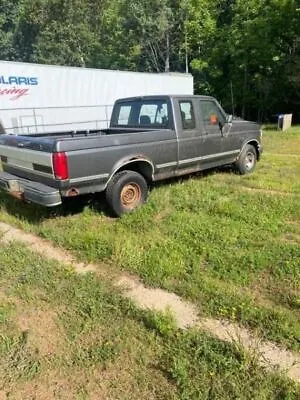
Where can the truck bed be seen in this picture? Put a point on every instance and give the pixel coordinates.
(87, 133)
(92, 156)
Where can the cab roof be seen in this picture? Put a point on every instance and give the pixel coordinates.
(167, 96)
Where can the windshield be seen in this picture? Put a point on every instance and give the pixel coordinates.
(141, 113)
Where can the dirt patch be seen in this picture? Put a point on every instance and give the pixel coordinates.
(291, 238)
(133, 384)
(3, 297)
(294, 223)
(266, 353)
(112, 382)
(184, 312)
(52, 385)
(43, 332)
(162, 215)
(43, 247)
(141, 379)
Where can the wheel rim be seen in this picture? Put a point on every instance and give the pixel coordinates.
(131, 196)
(249, 161)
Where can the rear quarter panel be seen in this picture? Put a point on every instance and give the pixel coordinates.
(94, 160)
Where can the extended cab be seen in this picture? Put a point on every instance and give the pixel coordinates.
(150, 138)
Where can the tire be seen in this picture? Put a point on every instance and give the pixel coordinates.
(125, 192)
(247, 160)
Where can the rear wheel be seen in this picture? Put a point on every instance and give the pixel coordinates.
(247, 160)
(126, 191)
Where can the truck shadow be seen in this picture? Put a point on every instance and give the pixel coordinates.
(36, 214)
(195, 175)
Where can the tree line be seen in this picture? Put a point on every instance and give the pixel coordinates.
(245, 53)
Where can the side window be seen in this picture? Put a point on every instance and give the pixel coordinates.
(187, 115)
(211, 113)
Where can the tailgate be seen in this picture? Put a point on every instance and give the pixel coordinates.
(29, 158)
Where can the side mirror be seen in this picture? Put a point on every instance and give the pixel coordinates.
(229, 119)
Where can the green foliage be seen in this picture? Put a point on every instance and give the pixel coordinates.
(228, 370)
(162, 323)
(9, 10)
(248, 51)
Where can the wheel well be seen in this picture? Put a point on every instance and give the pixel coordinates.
(256, 146)
(142, 167)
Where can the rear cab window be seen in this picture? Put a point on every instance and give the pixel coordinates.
(144, 113)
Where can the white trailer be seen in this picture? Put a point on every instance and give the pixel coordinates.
(47, 98)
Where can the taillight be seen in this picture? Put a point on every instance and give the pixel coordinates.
(60, 166)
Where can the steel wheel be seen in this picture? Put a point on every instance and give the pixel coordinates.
(131, 196)
(126, 191)
(247, 160)
(250, 160)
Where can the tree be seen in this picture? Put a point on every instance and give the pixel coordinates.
(152, 22)
(115, 47)
(199, 20)
(9, 10)
(250, 50)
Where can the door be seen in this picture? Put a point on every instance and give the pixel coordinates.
(217, 145)
(200, 144)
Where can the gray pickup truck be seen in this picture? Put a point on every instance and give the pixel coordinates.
(150, 138)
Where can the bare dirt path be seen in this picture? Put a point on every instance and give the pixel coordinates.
(185, 313)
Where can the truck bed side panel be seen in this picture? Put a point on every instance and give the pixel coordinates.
(98, 163)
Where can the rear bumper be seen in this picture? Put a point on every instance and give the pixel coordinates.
(30, 191)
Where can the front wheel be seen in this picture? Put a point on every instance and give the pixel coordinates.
(125, 192)
(247, 160)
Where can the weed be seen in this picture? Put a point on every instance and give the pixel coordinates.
(18, 361)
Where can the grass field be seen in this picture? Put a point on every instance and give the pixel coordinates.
(67, 336)
(229, 243)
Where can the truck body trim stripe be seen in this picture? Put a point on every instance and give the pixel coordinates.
(31, 170)
(216, 155)
(166, 165)
(89, 178)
